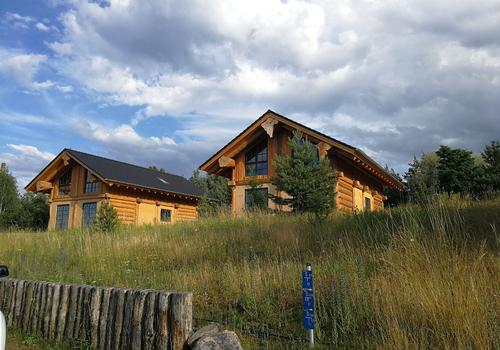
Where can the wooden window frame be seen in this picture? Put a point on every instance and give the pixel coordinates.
(66, 175)
(90, 186)
(256, 151)
(85, 222)
(368, 201)
(169, 217)
(62, 223)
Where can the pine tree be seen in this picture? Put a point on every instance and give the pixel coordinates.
(309, 181)
(106, 218)
(422, 178)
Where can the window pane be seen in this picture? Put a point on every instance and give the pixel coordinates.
(368, 203)
(166, 215)
(65, 183)
(62, 216)
(91, 184)
(256, 160)
(256, 198)
(89, 213)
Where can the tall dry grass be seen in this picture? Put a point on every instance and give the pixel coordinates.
(408, 278)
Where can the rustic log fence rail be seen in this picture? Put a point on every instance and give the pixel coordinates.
(104, 318)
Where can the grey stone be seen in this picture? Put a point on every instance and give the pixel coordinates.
(210, 329)
(225, 340)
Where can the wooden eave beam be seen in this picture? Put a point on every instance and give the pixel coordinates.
(226, 162)
(43, 186)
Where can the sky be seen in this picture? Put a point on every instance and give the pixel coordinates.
(167, 83)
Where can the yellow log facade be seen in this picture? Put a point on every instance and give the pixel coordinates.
(134, 205)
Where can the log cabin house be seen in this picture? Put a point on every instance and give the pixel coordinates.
(77, 182)
(250, 154)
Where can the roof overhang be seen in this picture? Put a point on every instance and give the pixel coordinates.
(242, 140)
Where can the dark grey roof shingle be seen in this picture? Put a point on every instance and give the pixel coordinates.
(114, 170)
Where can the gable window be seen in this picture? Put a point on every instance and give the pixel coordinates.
(91, 183)
(89, 212)
(62, 216)
(256, 198)
(166, 215)
(368, 203)
(256, 160)
(65, 183)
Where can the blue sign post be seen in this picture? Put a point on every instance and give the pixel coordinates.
(308, 302)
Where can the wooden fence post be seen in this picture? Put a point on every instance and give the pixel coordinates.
(181, 319)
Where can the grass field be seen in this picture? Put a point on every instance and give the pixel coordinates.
(407, 278)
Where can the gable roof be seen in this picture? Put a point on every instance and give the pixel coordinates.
(113, 171)
(357, 155)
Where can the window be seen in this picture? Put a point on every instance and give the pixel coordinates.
(368, 203)
(91, 183)
(256, 198)
(256, 160)
(62, 216)
(89, 212)
(65, 183)
(166, 215)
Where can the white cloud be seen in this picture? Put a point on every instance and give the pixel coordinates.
(393, 77)
(25, 161)
(17, 21)
(42, 27)
(125, 144)
(23, 68)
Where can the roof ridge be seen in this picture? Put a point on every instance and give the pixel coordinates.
(122, 162)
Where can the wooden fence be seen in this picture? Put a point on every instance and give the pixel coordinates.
(104, 318)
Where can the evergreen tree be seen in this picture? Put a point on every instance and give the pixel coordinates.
(456, 170)
(308, 181)
(422, 179)
(216, 192)
(106, 219)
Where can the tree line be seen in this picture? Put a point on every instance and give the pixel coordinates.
(24, 211)
(451, 171)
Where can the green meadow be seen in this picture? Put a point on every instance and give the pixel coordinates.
(413, 277)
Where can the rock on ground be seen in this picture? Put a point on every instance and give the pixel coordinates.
(225, 340)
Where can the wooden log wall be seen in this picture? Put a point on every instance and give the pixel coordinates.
(104, 318)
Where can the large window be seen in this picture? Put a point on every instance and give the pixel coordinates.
(65, 183)
(166, 215)
(256, 198)
(368, 203)
(62, 216)
(256, 160)
(91, 183)
(89, 212)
